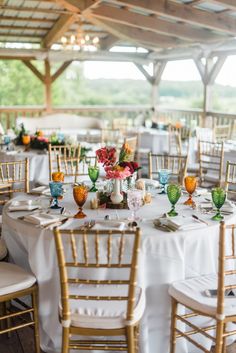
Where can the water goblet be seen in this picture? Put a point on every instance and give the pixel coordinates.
(56, 189)
(173, 193)
(218, 197)
(190, 183)
(80, 193)
(164, 175)
(135, 201)
(93, 173)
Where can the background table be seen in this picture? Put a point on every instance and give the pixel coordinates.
(165, 257)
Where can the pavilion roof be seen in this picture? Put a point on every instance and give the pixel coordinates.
(163, 27)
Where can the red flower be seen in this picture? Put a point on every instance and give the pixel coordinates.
(106, 155)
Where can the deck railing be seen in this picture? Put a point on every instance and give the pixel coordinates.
(135, 114)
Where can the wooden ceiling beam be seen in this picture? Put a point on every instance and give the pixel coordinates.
(26, 19)
(229, 4)
(34, 10)
(136, 35)
(35, 71)
(148, 77)
(153, 24)
(23, 28)
(61, 69)
(108, 42)
(59, 28)
(185, 13)
(76, 6)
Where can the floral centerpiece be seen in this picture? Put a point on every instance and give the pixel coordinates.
(117, 168)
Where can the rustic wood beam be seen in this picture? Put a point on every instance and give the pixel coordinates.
(35, 71)
(26, 19)
(34, 10)
(148, 77)
(61, 69)
(76, 6)
(229, 4)
(158, 69)
(59, 28)
(23, 28)
(136, 35)
(188, 14)
(200, 66)
(154, 24)
(108, 42)
(48, 86)
(216, 69)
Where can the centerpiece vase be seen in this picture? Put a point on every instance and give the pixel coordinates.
(116, 196)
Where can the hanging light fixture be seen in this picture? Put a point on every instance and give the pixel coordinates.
(80, 40)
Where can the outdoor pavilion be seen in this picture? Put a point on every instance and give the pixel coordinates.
(203, 30)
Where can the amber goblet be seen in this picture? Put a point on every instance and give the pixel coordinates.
(80, 193)
(190, 186)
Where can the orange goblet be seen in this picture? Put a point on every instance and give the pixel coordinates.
(58, 176)
(190, 186)
(80, 193)
(26, 139)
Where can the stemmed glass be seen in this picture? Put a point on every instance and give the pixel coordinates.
(93, 173)
(218, 197)
(135, 201)
(164, 175)
(190, 186)
(80, 193)
(56, 189)
(173, 193)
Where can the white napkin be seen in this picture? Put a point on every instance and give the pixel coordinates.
(41, 190)
(227, 207)
(43, 218)
(181, 223)
(23, 205)
(200, 191)
(150, 182)
(109, 225)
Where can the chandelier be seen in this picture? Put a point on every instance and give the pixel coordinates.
(80, 41)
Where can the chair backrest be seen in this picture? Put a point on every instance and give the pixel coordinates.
(75, 167)
(226, 265)
(222, 132)
(211, 158)
(111, 136)
(204, 134)
(177, 165)
(230, 179)
(14, 177)
(175, 143)
(65, 151)
(120, 124)
(111, 257)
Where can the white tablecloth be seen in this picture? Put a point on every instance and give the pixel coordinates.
(157, 141)
(165, 257)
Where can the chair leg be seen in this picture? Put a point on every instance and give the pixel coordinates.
(219, 337)
(34, 297)
(130, 339)
(174, 306)
(224, 341)
(136, 337)
(65, 340)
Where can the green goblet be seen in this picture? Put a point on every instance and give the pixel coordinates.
(93, 173)
(173, 193)
(218, 197)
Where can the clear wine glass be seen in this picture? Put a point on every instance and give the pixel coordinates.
(135, 201)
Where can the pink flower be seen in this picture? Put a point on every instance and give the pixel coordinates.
(117, 172)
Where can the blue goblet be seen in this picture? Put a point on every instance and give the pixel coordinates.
(164, 175)
(56, 191)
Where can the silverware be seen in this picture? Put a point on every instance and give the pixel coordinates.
(199, 219)
(87, 225)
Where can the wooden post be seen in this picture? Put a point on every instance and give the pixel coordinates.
(48, 86)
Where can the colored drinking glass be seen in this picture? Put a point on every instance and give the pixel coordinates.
(56, 189)
(218, 197)
(93, 173)
(80, 193)
(173, 193)
(164, 175)
(190, 186)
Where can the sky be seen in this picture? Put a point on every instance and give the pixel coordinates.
(181, 70)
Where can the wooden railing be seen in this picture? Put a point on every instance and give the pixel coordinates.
(191, 118)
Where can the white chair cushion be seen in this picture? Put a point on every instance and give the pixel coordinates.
(14, 278)
(191, 293)
(3, 249)
(103, 314)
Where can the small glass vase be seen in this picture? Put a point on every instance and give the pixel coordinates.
(116, 195)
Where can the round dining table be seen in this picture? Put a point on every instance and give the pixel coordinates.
(165, 257)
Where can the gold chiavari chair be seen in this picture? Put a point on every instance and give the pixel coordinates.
(111, 136)
(211, 159)
(120, 124)
(66, 151)
(177, 165)
(16, 283)
(178, 139)
(99, 292)
(14, 177)
(191, 294)
(75, 167)
(230, 180)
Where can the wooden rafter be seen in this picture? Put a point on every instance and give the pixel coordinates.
(148, 77)
(33, 9)
(152, 23)
(182, 12)
(26, 19)
(210, 70)
(23, 28)
(158, 68)
(136, 35)
(108, 42)
(61, 69)
(59, 28)
(76, 6)
(34, 70)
